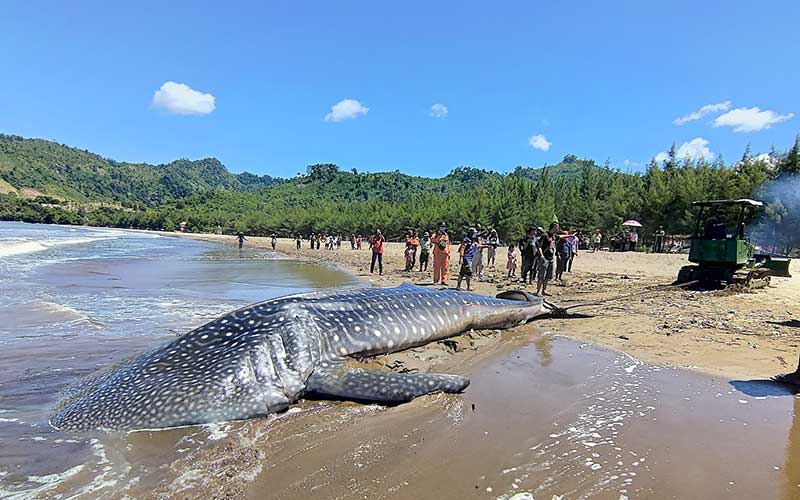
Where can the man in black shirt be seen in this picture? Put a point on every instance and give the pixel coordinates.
(546, 252)
(527, 248)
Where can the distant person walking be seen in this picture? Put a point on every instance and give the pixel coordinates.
(298, 239)
(359, 239)
(241, 238)
(441, 255)
(546, 253)
(658, 240)
(466, 254)
(273, 241)
(425, 247)
(352, 241)
(376, 242)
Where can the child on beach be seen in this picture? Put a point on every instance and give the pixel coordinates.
(511, 265)
(466, 253)
(411, 250)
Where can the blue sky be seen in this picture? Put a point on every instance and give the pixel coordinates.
(603, 80)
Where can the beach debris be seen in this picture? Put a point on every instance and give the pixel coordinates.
(521, 496)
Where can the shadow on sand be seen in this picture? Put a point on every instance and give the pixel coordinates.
(794, 323)
(763, 388)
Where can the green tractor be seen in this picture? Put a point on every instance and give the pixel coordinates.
(722, 252)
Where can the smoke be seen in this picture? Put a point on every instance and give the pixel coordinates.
(777, 229)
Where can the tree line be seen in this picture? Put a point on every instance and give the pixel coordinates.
(580, 194)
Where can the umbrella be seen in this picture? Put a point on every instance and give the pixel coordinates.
(632, 223)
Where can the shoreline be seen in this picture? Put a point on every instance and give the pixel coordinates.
(723, 334)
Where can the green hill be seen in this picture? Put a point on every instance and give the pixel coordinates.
(43, 167)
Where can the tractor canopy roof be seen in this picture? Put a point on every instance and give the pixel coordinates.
(741, 202)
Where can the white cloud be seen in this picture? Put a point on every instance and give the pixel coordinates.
(750, 119)
(439, 110)
(629, 163)
(346, 109)
(539, 142)
(696, 115)
(181, 99)
(695, 149)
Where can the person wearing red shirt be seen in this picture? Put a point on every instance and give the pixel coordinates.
(377, 252)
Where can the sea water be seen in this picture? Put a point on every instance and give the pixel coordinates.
(75, 299)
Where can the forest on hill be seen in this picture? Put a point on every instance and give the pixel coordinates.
(80, 188)
(63, 172)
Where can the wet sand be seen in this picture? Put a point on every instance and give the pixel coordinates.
(544, 415)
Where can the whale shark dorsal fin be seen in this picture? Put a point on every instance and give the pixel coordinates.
(334, 380)
(519, 295)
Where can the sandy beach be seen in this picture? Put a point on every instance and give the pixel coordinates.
(604, 416)
(753, 334)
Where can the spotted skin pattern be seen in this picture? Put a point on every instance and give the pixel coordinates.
(262, 358)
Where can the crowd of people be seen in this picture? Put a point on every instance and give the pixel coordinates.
(540, 255)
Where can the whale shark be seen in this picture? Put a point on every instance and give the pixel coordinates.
(262, 358)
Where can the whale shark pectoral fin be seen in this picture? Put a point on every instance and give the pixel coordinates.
(337, 381)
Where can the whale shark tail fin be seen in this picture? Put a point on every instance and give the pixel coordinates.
(554, 310)
(336, 381)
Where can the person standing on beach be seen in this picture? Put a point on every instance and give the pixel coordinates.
(658, 244)
(352, 241)
(409, 253)
(546, 251)
(562, 255)
(298, 239)
(574, 244)
(441, 255)
(634, 240)
(425, 246)
(359, 239)
(597, 239)
(466, 253)
(241, 238)
(376, 242)
(511, 263)
(529, 253)
(273, 241)
(491, 249)
(477, 258)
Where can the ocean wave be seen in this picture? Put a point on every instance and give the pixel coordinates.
(19, 247)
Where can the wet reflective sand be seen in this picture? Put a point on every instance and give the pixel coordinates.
(543, 415)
